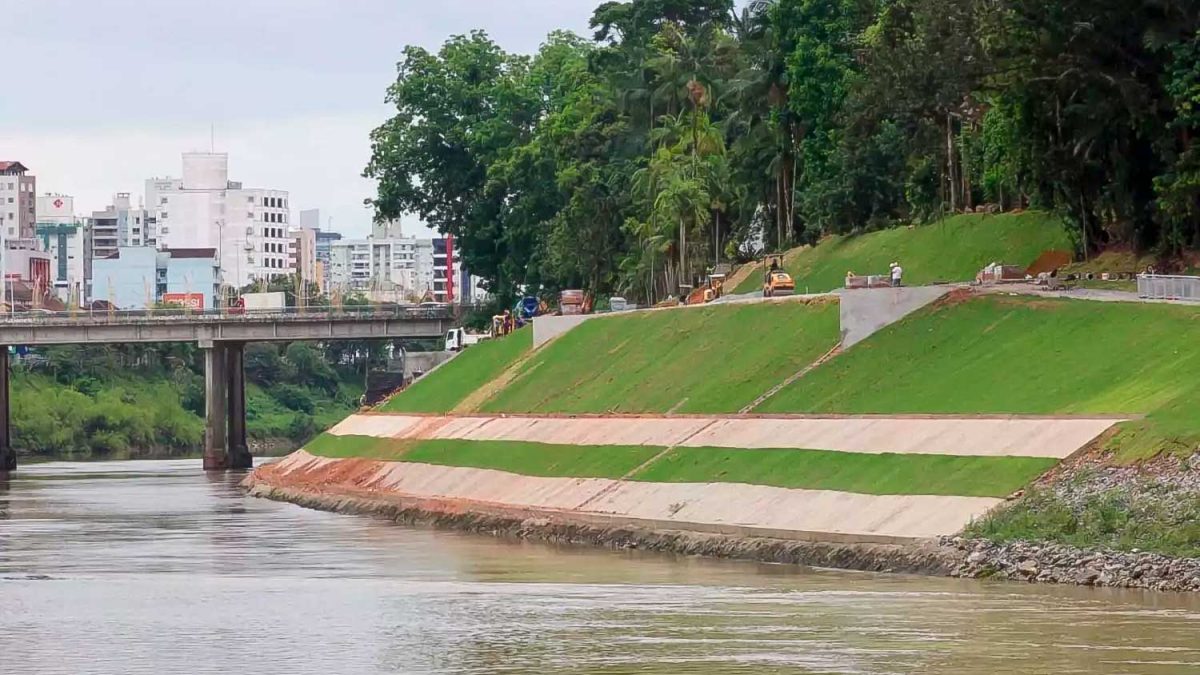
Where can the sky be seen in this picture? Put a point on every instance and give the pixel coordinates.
(108, 93)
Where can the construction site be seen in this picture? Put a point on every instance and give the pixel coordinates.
(934, 427)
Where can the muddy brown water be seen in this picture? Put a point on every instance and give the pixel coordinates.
(153, 567)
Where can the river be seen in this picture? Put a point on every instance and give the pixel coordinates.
(154, 567)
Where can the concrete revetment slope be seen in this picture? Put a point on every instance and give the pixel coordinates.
(724, 508)
(741, 510)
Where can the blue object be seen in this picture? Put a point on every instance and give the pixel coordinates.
(528, 307)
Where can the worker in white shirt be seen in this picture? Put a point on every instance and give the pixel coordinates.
(897, 274)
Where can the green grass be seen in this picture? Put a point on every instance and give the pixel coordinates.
(528, 459)
(366, 447)
(443, 389)
(1142, 516)
(696, 360)
(954, 249)
(1024, 355)
(884, 474)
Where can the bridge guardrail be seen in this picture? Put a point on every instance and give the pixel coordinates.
(100, 317)
(1168, 287)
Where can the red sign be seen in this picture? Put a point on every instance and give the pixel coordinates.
(58, 203)
(193, 300)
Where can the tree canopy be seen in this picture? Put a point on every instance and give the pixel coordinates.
(687, 133)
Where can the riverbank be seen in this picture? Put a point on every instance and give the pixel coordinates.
(926, 558)
(351, 486)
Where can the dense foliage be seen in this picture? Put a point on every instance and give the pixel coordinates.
(686, 133)
(148, 400)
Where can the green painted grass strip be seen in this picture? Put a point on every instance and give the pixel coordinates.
(534, 459)
(885, 474)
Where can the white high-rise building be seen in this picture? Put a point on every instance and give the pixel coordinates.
(204, 209)
(393, 268)
(67, 238)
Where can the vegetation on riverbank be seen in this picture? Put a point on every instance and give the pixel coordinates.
(954, 249)
(1135, 512)
(696, 360)
(148, 400)
(682, 134)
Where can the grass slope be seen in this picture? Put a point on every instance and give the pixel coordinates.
(1025, 355)
(445, 388)
(884, 474)
(710, 359)
(954, 249)
(528, 459)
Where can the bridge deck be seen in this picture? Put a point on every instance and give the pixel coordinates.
(38, 328)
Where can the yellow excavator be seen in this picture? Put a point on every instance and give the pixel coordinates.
(776, 282)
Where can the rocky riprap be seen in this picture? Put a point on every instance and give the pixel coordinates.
(1164, 491)
(1055, 563)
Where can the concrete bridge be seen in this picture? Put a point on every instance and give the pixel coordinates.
(223, 336)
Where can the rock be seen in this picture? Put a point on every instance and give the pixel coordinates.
(1027, 568)
(1087, 576)
(976, 558)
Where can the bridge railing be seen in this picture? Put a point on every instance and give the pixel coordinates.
(231, 314)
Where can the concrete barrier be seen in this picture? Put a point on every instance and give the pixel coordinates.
(865, 312)
(546, 328)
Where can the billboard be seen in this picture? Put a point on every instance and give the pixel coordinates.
(191, 300)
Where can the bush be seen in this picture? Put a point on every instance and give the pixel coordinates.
(293, 397)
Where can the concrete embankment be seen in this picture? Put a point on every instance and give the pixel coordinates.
(720, 508)
(345, 486)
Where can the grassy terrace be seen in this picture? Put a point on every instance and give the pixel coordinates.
(698, 360)
(456, 380)
(954, 249)
(884, 474)
(1025, 355)
(529, 459)
(809, 469)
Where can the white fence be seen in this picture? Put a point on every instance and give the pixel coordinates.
(1167, 287)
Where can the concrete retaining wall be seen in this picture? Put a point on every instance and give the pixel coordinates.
(1004, 437)
(865, 312)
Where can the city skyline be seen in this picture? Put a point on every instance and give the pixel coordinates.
(290, 90)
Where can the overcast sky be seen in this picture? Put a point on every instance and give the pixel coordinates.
(103, 94)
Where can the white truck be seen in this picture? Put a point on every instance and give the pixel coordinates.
(264, 302)
(459, 339)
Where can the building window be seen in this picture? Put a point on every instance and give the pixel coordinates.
(250, 199)
(162, 200)
(163, 216)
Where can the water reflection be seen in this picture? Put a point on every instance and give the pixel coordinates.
(146, 567)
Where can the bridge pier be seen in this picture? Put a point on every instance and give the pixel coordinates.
(8, 456)
(225, 444)
(239, 451)
(216, 404)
